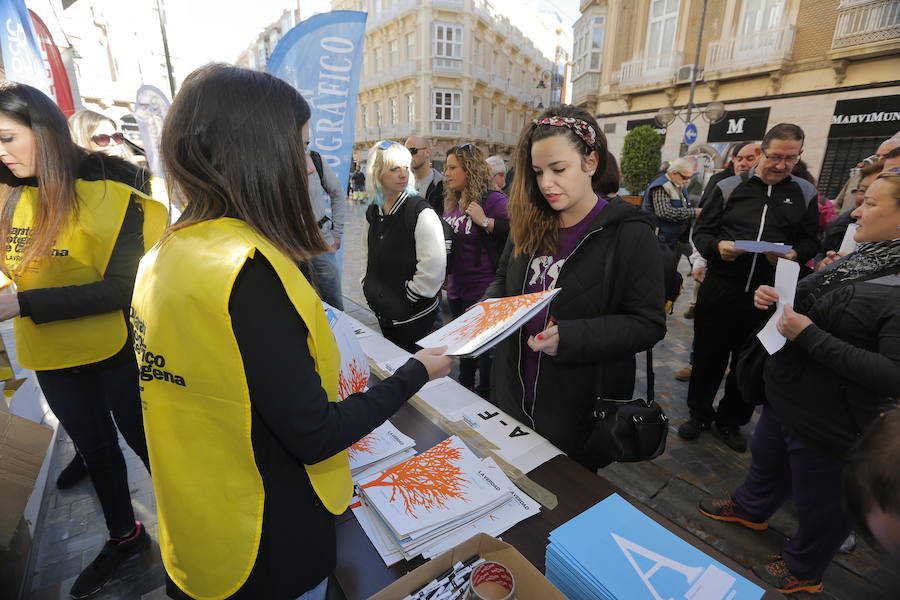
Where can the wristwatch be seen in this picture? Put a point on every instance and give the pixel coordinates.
(484, 223)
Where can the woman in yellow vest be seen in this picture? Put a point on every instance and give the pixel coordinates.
(76, 225)
(238, 364)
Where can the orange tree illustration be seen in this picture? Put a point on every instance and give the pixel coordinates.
(427, 481)
(495, 311)
(363, 446)
(355, 381)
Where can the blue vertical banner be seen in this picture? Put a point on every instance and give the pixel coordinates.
(322, 58)
(22, 60)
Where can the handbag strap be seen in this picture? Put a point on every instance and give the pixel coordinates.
(607, 284)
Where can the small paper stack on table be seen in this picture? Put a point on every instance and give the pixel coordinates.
(436, 500)
(613, 551)
(380, 450)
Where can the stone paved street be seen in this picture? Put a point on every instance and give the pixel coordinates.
(71, 530)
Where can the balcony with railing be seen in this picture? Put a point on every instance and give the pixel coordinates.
(403, 70)
(446, 65)
(763, 48)
(481, 74)
(397, 130)
(865, 22)
(653, 70)
(445, 128)
(585, 87)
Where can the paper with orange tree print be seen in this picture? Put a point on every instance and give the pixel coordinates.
(384, 442)
(430, 489)
(354, 374)
(487, 323)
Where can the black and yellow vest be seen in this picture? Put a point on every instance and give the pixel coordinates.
(196, 402)
(79, 256)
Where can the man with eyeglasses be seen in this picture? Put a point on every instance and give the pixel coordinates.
(667, 198)
(429, 183)
(766, 203)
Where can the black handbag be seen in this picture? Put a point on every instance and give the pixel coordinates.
(628, 430)
(625, 430)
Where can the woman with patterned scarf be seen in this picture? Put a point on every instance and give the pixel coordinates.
(839, 369)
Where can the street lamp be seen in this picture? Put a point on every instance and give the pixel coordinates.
(537, 102)
(544, 75)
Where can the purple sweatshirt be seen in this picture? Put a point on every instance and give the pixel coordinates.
(542, 275)
(471, 269)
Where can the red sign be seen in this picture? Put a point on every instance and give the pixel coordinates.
(60, 89)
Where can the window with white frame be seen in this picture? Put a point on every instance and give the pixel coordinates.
(392, 107)
(393, 53)
(447, 42)
(378, 120)
(475, 102)
(410, 109)
(661, 31)
(447, 109)
(376, 59)
(760, 15)
(364, 117)
(476, 52)
(493, 124)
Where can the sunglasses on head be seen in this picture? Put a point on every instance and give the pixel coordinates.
(466, 146)
(385, 144)
(102, 139)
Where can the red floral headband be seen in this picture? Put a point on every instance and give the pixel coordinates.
(581, 128)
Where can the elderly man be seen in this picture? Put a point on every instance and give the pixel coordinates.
(429, 183)
(766, 203)
(497, 167)
(667, 199)
(846, 199)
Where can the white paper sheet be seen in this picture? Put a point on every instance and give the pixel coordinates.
(760, 247)
(786, 273)
(848, 244)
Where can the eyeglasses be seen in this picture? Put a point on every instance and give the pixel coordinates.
(102, 139)
(413, 150)
(788, 160)
(467, 146)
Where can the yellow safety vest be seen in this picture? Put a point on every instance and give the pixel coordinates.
(197, 416)
(79, 256)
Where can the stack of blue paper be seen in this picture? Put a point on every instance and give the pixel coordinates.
(614, 551)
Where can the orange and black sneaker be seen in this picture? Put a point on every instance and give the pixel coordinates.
(724, 508)
(780, 577)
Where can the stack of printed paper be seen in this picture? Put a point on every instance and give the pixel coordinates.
(380, 450)
(435, 500)
(614, 551)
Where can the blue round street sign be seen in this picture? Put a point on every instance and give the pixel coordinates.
(690, 134)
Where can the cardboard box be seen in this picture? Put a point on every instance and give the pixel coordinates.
(530, 583)
(23, 446)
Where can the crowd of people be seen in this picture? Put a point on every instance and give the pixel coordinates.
(199, 335)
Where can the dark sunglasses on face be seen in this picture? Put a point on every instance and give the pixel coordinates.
(102, 139)
(413, 150)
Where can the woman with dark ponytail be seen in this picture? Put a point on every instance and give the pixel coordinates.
(602, 254)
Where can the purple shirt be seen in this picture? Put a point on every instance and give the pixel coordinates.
(542, 275)
(471, 269)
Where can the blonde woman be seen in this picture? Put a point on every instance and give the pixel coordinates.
(403, 247)
(477, 214)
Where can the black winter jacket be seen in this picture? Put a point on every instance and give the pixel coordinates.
(734, 211)
(601, 327)
(834, 379)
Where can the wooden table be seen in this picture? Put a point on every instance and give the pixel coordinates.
(361, 572)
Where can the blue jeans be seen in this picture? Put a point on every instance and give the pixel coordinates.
(317, 593)
(327, 279)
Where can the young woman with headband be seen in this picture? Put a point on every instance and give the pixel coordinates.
(603, 255)
(246, 437)
(477, 214)
(76, 225)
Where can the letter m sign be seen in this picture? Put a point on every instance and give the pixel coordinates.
(735, 126)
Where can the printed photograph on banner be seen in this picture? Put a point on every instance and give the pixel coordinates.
(487, 323)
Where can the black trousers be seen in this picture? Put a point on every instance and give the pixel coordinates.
(724, 319)
(468, 366)
(91, 403)
(407, 334)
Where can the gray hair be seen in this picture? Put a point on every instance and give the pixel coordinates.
(682, 164)
(497, 164)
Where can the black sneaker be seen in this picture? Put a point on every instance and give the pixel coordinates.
(74, 472)
(689, 313)
(733, 437)
(724, 508)
(114, 553)
(692, 428)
